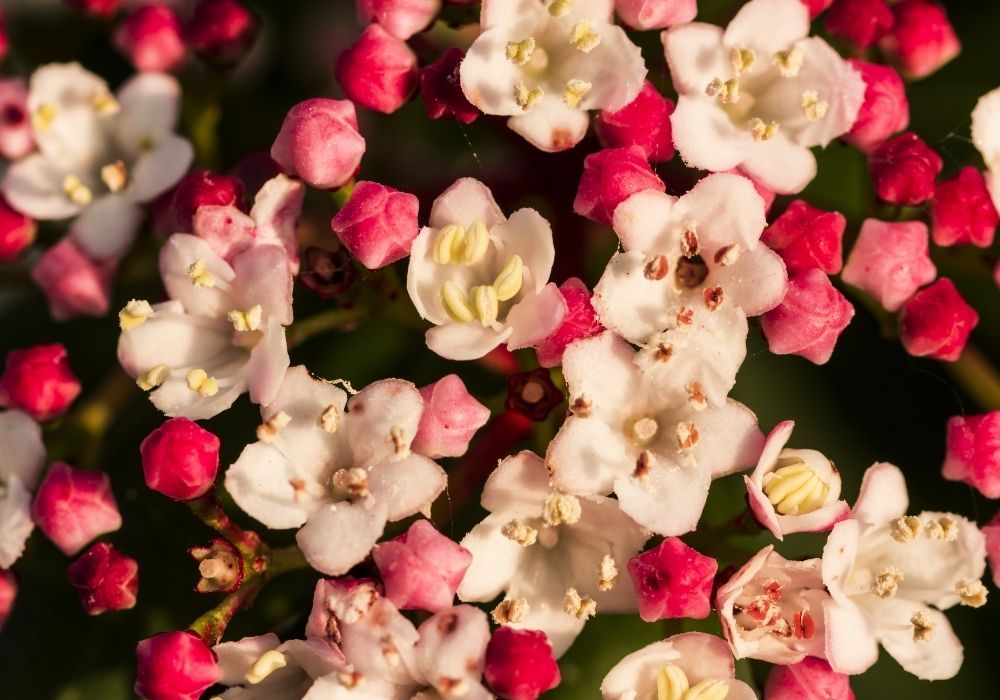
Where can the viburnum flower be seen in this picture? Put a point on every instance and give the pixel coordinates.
(657, 449)
(809, 319)
(890, 260)
(519, 664)
(74, 283)
(962, 211)
(319, 142)
(73, 506)
(656, 14)
(936, 322)
(772, 608)
(336, 469)
(545, 63)
(921, 39)
(104, 579)
(450, 419)
(672, 580)
(973, 452)
(890, 574)
(643, 122)
(690, 665)
(100, 156)
(580, 322)
(810, 678)
(794, 490)
(806, 238)
(20, 469)
(885, 110)
(263, 666)
(221, 334)
(760, 94)
(481, 278)
(39, 381)
(555, 556)
(986, 137)
(16, 136)
(174, 666)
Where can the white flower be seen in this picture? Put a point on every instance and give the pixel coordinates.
(545, 63)
(693, 665)
(221, 334)
(100, 156)
(264, 667)
(885, 569)
(760, 94)
(337, 469)
(481, 278)
(21, 461)
(986, 137)
(657, 450)
(548, 548)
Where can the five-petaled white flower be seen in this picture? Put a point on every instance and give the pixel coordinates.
(21, 461)
(986, 137)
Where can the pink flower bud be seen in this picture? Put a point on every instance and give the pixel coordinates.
(859, 22)
(904, 169)
(401, 18)
(203, 188)
(973, 452)
(222, 31)
(991, 533)
(885, 110)
(74, 284)
(73, 506)
(105, 579)
(806, 238)
(609, 178)
(656, 14)
(378, 224)
(180, 459)
(152, 38)
(580, 322)
(17, 232)
(16, 136)
(39, 381)
(936, 322)
(378, 71)
(421, 569)
(441, 89)
(320, 143)
(451, 417)
(8, 593)
(890, 261)
(962, 211)
(519, 664)
(809, 319)
(97, 8)
(922, 39)
(809, 679)
(4, 47)
(816, 7)
(672, 580)
(643, 122)
(174, 666)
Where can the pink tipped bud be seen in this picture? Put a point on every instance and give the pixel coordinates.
(8, 593)
(441, 89)
(962, 211)
(97, 8)
(922, 39)
(609, 178)
(451, 417)
(401, 18)
(816, 7)
(809, 319)
(74, 283)
(203, 188)
(580, 322)
(39, 381)
(859, 22)
(806, 238)
(174, 666)
(105, 579)
(222, 31)
(378, 71)
(73, 506)
(519, 664)
(378, 224)
(421, 569)
(936, 322)
(643, 122)
(16, 136)
(904, 168)
(991, 533)
(809, 678)
(672, 580)
(885, 110)
(180, 459)
(320, 143)
(973, 452)
(152, 38)
(890, 261)
(656, 14)
(17, 232)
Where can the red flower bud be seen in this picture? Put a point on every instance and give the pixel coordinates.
(519, 664)
(580, 322)
(97, 8)
(922, 39)
(962, 211)
(809, 319)
(8, 593)
(672, 580)
(174, 666)
(806, 238)
(809, 678)
(885, 110)
(105, 579)
(859, 22)
(401, 18)
(378, 224)
(180, 459)
(936, 322)
(39, 381)
(74, 283)
(656, 14)
(450, 419)
(378, 71)
(73, 506)
(17, 139)
(643, 122)
(904, 169)
(973, 454)
(203, 188)
(222, 31)
(320, 143)
(152, 38)
(17, 232)
(441, 88)
(609, 178)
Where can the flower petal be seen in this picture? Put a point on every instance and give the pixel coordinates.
(159, 168)
(883, 494)
(630, 304)
(706, 137)
(936, 658)
(338, 536)
(552, 125)
(495, 559)
(34, 186)
(695, 56)
(757, 281)
(668, 500)
(23, 451)
(518, 486)
(381, 421)
(587, 455)
(780, 165)
(644, 223)
(407, 486)
(768, 26)
(107, 227)
(263, 482)
(527, 234)
(464, 341)
(464, 203)
(536, 317)
(850, 646)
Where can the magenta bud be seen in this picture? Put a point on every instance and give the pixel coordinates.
(973, 452)
(580, 322)
(401, 18)
(609, 178)
(378, 224)
(656, 14)
(222, 31)
(17, 139)
(203, 188)
(806, 237)
(174, 666)
(17, 232)
(643, 122)
(672, 581)
(859, 22)
(97, 8)
(105, 579)
(8, 594)
(180, 459)
(809, 678)
(904, 168)
(890, 261)
(378, 71)
(936, 322)
(809, 319)
(816, 7)
(451, 417)
(962, 211)
(519, 664)
(39, 381)
(152, 39)
(885, 110)
(921, 39)
(74, 283)
(73, 506)
(319, 142)
(441, 89)
(421, 569)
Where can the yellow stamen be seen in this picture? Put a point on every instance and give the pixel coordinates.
(134, 314)
(105, 104)
(519, 52)
(43, 117)
(795, 489)
(268, 663)
(520, 532)
(671, 682)
(476, 243)
(579, 607)
(560, 508)
(199, 274)
(76, 191)
(709, 689)
(485, 304)
(813, 107)
(455, 303)
(789, 63)
(583, 37)
(560, 8)
(761, 130)
(153, 378)
(726, 91)
(742, 59)
(114, 175)
(574, 91)
(525, 98)
(971, 592)
(199, 381)
(248, 320)
(508, 282)
(448, 239)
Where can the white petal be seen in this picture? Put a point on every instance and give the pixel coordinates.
(236, 658)
(630, 304)
(264, 278)
(552, 125)
(381, 421)
(850, 646)
(267, 364)
(615, 70)
(542, 580)
(464, 341)
(495, 559)
(424, 278)
(986, 128)
(527, 234)
(756, 282)
(262, 483)
(883, 494)
(107, 227)
(407, 486)
(464, 203)
(518, 487)
(587, 455)
(176, 257)
(175, 399)
(15, 521)
(536, 317)
(149, 103)
(780, 165)
(452, 645)
(644, 223)
(669, 500)
(695, 55)
(727, 210)
(768, 26)
(34, 186)
(305, 399)
(487, 76)
(839, 554)
(338, 536)
(158, 169)
(601, 369)
(706, 137)
(729, 439)
(934, 659)
(276, 211)
(175, 339)
(23, 450)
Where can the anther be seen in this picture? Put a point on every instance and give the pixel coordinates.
(643, 464)
(561, 508)
(353, 481)
(671, 682)
(708, 689)
(43, 117)
(248, 320)
(923, 626)
(795, 489)
(199, 381)
(560, 8)
(742, 59)
(607, 573)
(475, 244)
(726, 91)
(269, 429)
(813, 107)
(105, 104)
(696, 395)
(329, 419)
(525, 98)
(727, 255)
(690, 245)
(942, 529)
(114, 175)
(789, 62)
(905, 529)
(581, 406)
(520, 532)
(76, 191)
(761, 130)
(713, 297)
(152, 378)
(579, 607)
(449, 240)
(134, 314)
(456, 303)
(656, 268)
(199, 275)
(574, 90)
(972, 592)
(511, 610)
(886, 582)
(687, 435)
(583, 37)
(485, 304)
(268, 663)
(508, 282)
(519, 52)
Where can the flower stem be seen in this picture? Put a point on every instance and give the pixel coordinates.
(212, 625)
(978, 377)
(209, 510)
(334, 319)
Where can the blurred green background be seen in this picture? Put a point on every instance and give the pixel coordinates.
(872, 402)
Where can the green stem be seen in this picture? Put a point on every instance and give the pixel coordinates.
(334, 319)
(209, 510)
(978, 377)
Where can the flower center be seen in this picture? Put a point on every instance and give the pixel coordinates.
(762, 613)
(672, 684)
(795, 489)
(644, 430)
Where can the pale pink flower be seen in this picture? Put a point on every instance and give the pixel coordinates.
(450, 419)
(377, 224)
(401, 18)
(890, 261)
(991, 534)
(319, 142)
(809, 679)
(973, 452)
(656, 14)
(21, 464)
(73, 506)
(809, 319)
